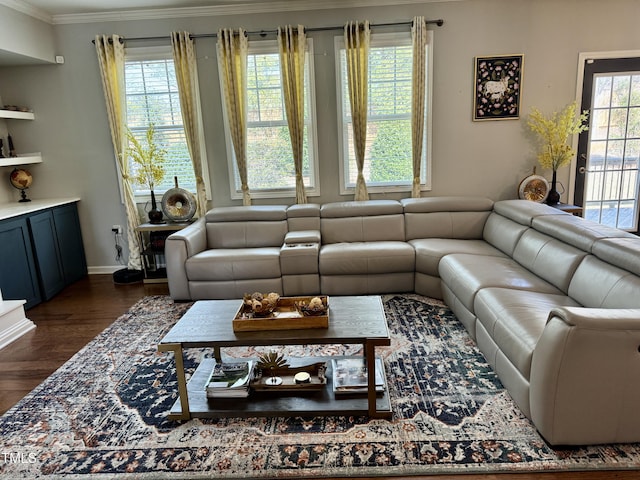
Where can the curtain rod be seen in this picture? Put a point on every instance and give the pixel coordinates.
(264, 33)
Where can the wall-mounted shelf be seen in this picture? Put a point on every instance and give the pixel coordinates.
(22, 159)
(15, 114)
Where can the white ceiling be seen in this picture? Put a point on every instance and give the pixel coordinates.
(68, 7)
(86, 11)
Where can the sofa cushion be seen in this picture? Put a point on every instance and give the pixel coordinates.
(597, 284)
(248, 234)
(362, 229)
(362, 221)
(465, 225)
(502, 233)
(547, 257)
(515, 319)
(247, 213)
(446, 204)
(366, 258)
(466, 274)
(429, 251)
(445, 217)
(234, 264)
(303, 216)
(524, 211)
(621, 252)
(576, 231)
(360, 208)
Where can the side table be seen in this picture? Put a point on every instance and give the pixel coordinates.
(151, 238)
(572, 209)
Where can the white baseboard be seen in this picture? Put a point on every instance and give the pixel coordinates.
(13, 323)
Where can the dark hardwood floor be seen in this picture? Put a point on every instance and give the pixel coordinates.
(75, 316)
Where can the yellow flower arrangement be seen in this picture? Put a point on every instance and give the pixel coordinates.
(148, 159)
(553, 133)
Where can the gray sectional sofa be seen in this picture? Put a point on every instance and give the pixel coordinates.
(552, 300)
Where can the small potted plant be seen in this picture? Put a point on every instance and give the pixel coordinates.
(148, 166)
(553, 133)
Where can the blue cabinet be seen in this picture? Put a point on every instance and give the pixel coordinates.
(69, 236)
(43, 254)
(18, 274)
(47, 253)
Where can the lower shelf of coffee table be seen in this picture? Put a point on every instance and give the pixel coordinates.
(317, 403)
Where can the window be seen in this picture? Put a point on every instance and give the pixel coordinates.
(388, 163)
(270, 168)
(152, 98)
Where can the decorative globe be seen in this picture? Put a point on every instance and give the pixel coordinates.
(21, 178)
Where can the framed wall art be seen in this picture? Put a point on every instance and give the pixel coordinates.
(497, 87)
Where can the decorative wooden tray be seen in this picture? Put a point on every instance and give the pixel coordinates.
(317, 381)
(286, 316)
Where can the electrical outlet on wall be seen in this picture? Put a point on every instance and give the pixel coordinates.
(117, 229)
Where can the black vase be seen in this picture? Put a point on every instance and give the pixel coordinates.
(155, 215)
(553, 197)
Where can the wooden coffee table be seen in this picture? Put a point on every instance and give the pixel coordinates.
(208, 323)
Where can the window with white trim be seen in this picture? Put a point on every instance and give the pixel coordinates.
(151, 93)
(388, 158)
(270, 168)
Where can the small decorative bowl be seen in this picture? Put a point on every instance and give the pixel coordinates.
(311, 311)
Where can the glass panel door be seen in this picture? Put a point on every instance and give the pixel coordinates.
(609, 152)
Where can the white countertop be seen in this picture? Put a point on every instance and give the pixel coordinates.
(15, 209)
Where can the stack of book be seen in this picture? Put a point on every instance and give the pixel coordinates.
(350, 375)
(230, 379)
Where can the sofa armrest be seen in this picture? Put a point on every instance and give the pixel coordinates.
(302, 236)
(584, 386)
(179, 247)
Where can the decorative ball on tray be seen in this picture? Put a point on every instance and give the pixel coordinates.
(260, 304)
(314, 307)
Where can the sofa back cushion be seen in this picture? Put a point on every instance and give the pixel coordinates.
(576, 231)
(597, 284)
(246, 227)
(623, 252)
(548, 258)
(524, 211)
(503, 233)
(361, 221)
(303, 216)
(445, 217)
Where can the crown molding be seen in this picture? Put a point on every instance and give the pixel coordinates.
(23, 7)
(220, 10)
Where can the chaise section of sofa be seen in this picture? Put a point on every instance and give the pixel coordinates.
(509, 305)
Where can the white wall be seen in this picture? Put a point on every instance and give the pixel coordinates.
(25, 39)
(476, 158)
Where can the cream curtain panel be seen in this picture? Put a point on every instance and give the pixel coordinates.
(110, 51)
(232, 64)
(356, 39)
(184, 58)
(419, 40)
(292, 45)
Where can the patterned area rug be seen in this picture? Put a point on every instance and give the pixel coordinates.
(104, 413)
